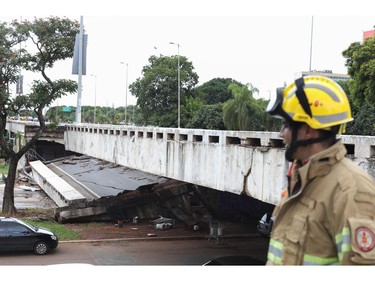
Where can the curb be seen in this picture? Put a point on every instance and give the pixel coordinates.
(171, 238)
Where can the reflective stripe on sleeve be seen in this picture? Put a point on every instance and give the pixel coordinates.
(275, 251)
(314, 260)
(343, 242)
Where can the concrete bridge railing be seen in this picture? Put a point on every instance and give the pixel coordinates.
(233, 161)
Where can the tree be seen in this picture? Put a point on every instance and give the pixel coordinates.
(360, 60)
(363, 115)
(267, 122)
(216, 90)
(135, 117)
(243, 112)
(53, 39)
(188, 111)
(157, 89)
(208, 117)
(364, 121)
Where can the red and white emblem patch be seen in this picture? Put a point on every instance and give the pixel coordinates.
(365, 239)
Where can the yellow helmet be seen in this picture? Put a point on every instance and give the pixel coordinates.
(317, 101)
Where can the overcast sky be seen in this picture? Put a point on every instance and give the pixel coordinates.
(263, 45)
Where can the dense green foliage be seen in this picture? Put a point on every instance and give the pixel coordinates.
(208, 117)
(360, 60)
(215, 91)
(245, 113)
(364, 121)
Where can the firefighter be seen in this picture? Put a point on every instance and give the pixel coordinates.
(326, 214)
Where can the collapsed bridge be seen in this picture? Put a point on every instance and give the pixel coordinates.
(239, 162)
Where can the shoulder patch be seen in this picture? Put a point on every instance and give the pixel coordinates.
(364, 239)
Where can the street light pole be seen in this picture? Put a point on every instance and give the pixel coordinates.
(311, 42)
(178, 78)
(94, 99)
(126, 91)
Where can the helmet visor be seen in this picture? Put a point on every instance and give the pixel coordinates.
(275, 103)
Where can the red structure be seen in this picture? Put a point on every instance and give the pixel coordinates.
(367, 34)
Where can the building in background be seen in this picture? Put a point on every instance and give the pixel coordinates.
(368, 34)
(326, 73)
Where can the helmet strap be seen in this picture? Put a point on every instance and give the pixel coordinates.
(301, 96)
(295, 144)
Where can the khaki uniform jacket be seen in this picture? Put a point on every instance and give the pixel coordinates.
(331, 219)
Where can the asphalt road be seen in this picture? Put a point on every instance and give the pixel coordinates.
(149, 252)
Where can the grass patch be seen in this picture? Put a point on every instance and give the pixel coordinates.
(44, 218)
(60, 230)
(3, 170)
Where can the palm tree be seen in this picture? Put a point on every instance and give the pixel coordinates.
(240, 113)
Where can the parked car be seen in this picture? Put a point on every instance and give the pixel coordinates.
(17, 235)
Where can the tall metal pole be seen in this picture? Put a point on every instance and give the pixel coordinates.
(80, 52)
(178, 81)
(126, 91)
(94, 99)
(179, 84)
(311, 42)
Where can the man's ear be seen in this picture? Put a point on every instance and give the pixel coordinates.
(309, 132)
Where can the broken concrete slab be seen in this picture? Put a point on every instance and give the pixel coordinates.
(61, 192)
(169, 199)
(104, 178)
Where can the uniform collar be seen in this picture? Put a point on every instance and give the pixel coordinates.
(321, 163)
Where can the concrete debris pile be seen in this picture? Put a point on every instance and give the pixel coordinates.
(170, 199)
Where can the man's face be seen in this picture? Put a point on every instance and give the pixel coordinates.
(286, 133)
